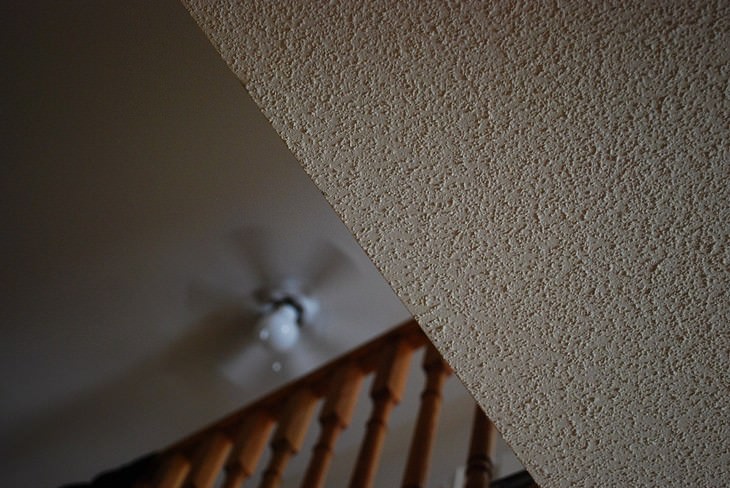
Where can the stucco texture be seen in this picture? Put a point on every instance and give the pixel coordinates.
(546, 188)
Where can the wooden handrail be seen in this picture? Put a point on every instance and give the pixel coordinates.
(209, 461)
(250, 444)
(365, 356)
(290, 434)
(385, 393)
(419, 455)
(173, 472)
(233, 446)
(336, 415)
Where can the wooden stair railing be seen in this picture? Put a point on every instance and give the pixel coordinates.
(386, 392)
(479, 467)
(227, 453)
(336, 415)
(419, 456)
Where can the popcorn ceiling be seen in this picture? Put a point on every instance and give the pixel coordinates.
(546, 188)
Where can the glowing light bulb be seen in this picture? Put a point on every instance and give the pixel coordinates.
(279, 329)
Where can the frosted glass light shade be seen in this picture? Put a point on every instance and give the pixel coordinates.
(279, 329)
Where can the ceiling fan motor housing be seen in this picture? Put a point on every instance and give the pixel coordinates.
(283, 315)
(289, 295)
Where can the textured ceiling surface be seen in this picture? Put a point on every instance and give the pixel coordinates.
(546, 188)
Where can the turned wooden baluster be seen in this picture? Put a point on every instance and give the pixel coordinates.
(210, 458)
(335, 417)
(419, 455)
(479, 467)
(385, 393)
(173, 472)
(251, 441)
(289, 435)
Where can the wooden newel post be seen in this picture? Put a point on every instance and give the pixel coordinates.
(289, 435)
(251, 440)
(419, 456)
(479, 466)
(335, 417)
(386, 393)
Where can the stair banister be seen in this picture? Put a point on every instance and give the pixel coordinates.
(227, 453)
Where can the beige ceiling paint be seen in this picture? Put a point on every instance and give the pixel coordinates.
(546, 187)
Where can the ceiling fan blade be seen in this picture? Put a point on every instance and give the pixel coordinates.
(256, 249)
(207, 297)
(319, 348)
(214, 337)
(246, 362)
(299, 361)
(329, 267)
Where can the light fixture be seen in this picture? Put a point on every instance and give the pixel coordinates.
(280, 326)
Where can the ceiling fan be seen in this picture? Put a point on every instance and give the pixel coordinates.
(276, 316)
